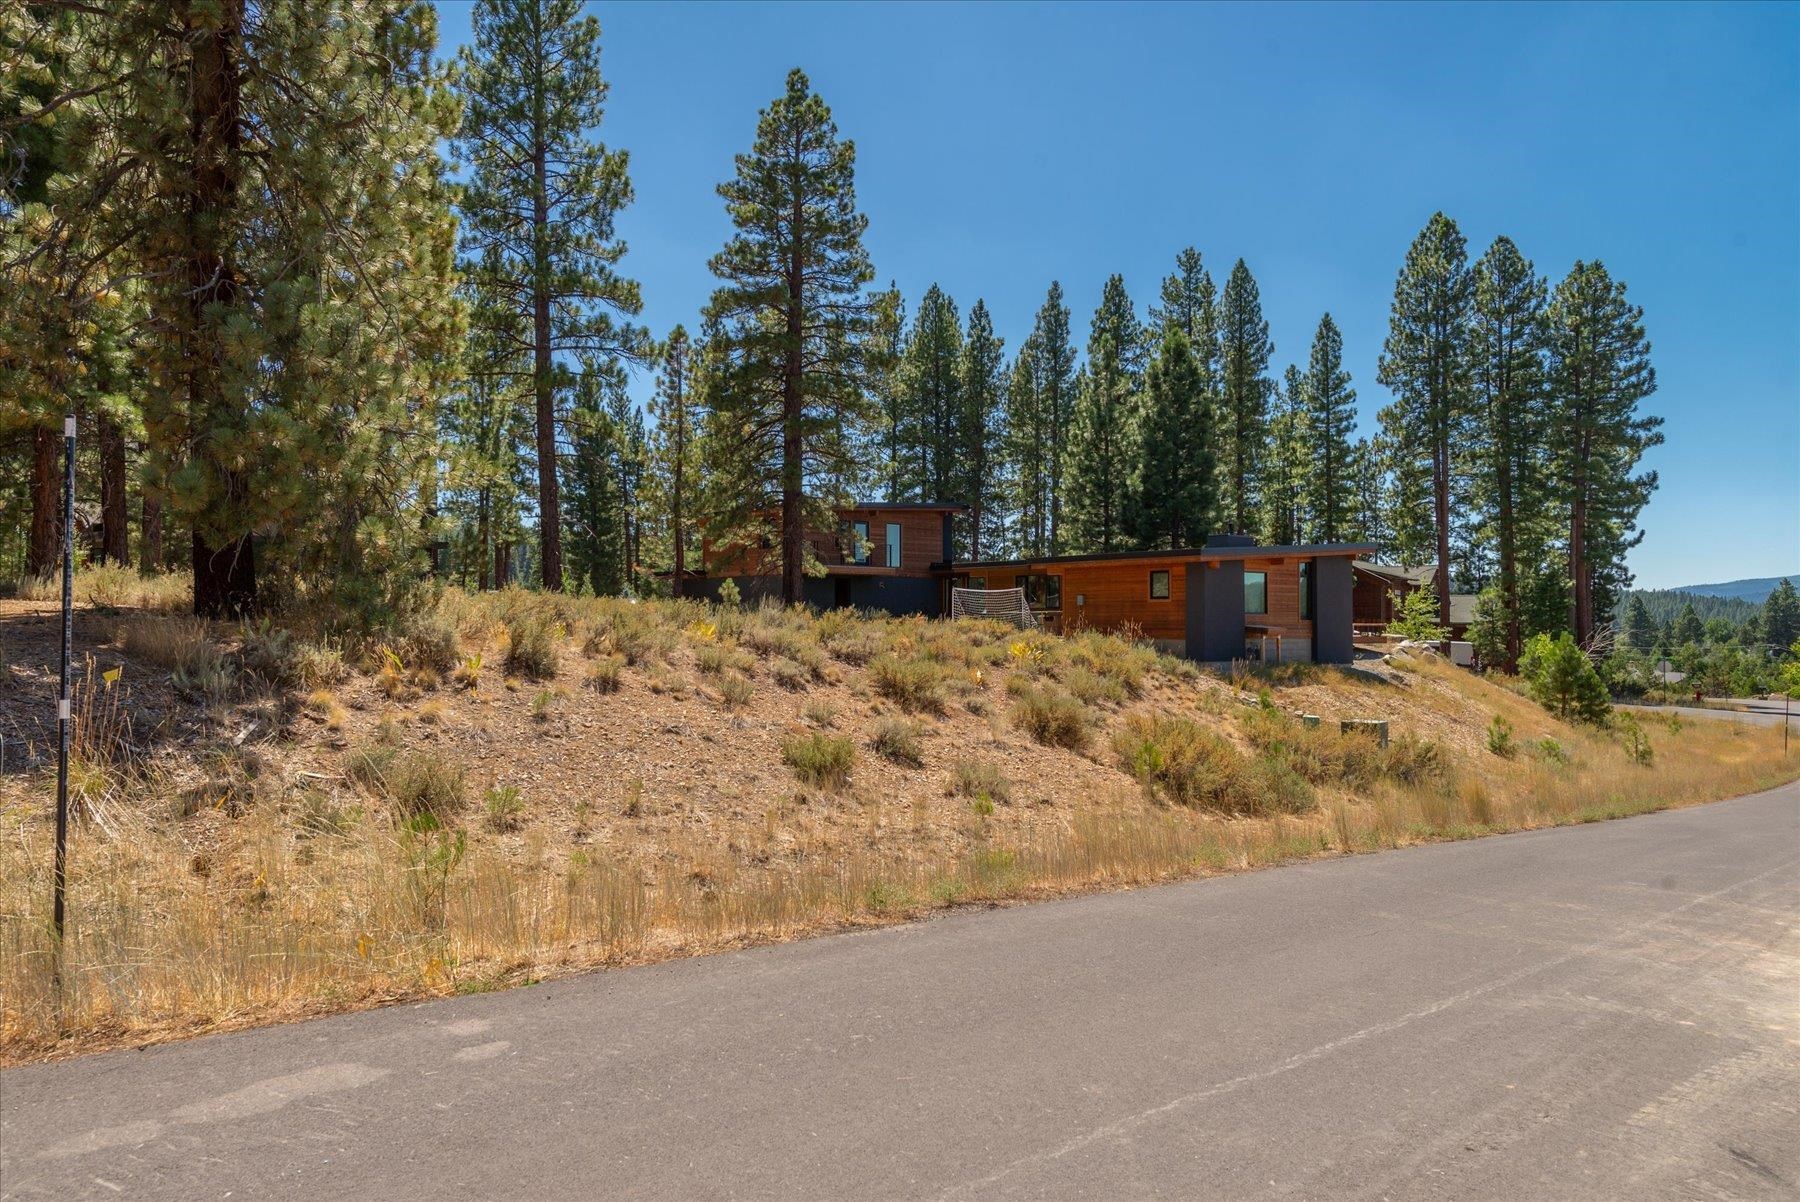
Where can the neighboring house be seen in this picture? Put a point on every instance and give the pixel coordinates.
(881, 556)
(1379, 587)
(1230, 599)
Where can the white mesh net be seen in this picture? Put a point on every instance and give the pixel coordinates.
(1004, 604)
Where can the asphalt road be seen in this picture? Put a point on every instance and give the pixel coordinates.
(1756, 713)
(1607, 1011)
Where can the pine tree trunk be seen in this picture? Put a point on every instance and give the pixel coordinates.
(114, 542)
(1440, 485)
(224, 575)
(678, 483)
(150, 535)
(41, 557)
(486, 561)
(549, 498)
(502, 563)
(793, 404)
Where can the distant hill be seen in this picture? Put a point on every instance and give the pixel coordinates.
(1665, 604)
(1754, 591)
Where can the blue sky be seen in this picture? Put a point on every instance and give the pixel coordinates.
(1000, 147)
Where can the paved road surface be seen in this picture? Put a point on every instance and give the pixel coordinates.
(1607, 1011)
(1757, 713)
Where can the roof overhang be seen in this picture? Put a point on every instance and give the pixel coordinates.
(1177, 555)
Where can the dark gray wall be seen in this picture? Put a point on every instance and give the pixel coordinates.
(1333, 590)
(895, 594)
(1215, 611)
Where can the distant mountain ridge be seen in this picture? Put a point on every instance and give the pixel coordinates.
(1755, 591)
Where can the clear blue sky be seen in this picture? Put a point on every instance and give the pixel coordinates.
(1002, 147)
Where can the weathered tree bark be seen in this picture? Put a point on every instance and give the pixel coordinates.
(502, 563)
(41, 556)
(225, 573)
(486, 579)
(114, 519)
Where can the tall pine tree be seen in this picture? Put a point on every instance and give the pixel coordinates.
(1040, 405)
(540, 207)
(1600, 372)
(1424, 362)
(1506, 351)
(931, 428)
(1331, 424)
(794, 319)
(979, 465)
(1284, 491)
(1175, 495)
(1101, 456)
(1244, 352)
(675, 452)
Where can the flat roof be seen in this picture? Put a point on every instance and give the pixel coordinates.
(925, 506)
(1285, 551)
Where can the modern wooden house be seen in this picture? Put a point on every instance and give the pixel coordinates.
(1380, 586)
(1230, 599)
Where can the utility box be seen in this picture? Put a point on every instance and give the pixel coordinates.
(1377, 727)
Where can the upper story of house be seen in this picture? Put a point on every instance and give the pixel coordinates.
(871, 538)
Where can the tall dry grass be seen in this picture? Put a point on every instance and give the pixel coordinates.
(318, 906)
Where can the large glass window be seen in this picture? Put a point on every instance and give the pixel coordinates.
(1159, 585)
(1041, 591)
(1256, 592)
(859, 538)
(1306, 590)
(893, 544)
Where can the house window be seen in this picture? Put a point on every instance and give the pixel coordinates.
(1159, 585)
(1041, 591)
(859, 542)
(1306, 590)
(893, 544)
(1256, 592)
(978, 582)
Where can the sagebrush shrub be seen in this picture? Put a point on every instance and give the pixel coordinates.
(821, 760)
(897, 740)
(531, 647)
(915, 685)
(1052, 718)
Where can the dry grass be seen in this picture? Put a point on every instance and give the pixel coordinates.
(331, 858)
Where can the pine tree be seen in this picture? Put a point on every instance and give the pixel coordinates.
(1176, 493)
(1287, 457)
(1599, 371)
(1506, 351)
(1687, 627)
(269, 175)
(1244, 353)
(1371, 501)
(1040, 406)
(793, 318)
(1116, 319)
(1331, 422)
(1640, 627)
(930, 427)
(675, 452)
(1781, 615)
(1424, 362)
(1101, 456)
(540, 206)
(887, 352)
(599, 539)
(979, 462)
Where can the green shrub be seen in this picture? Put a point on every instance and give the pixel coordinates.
(790, 675)
(820, 712)
(1091, 687)
(428, 641)
(915, 685)
(504, 807)
(414, 782)
(736, 691)
(1414, 761)
(823, 761)
(1563, 679)
(1551, 751)
(605, 674)
(981, 780)
(531, 647)
(1633, 739)
(1178, 759)
(1500, 737)
(1052, 718)
(1416, 616)
(897, 740)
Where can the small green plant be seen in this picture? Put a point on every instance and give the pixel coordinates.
(1633, 739)
(531, 647)
(820, 712)
(413, 782)
(634, 798)
(432, 852)
(823, 761)
(982, 780)
(729, 595)
(504, 807)
(543, 705)
(790, 675)
(983, 806)
(605, 673)
(1052, 718)
(897, 740)
(915, 685)
(1551, 751)
(736, 691)
(468, 673)
(1416, 616)
(1500, 737)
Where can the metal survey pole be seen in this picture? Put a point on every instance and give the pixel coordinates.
(60, 877)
